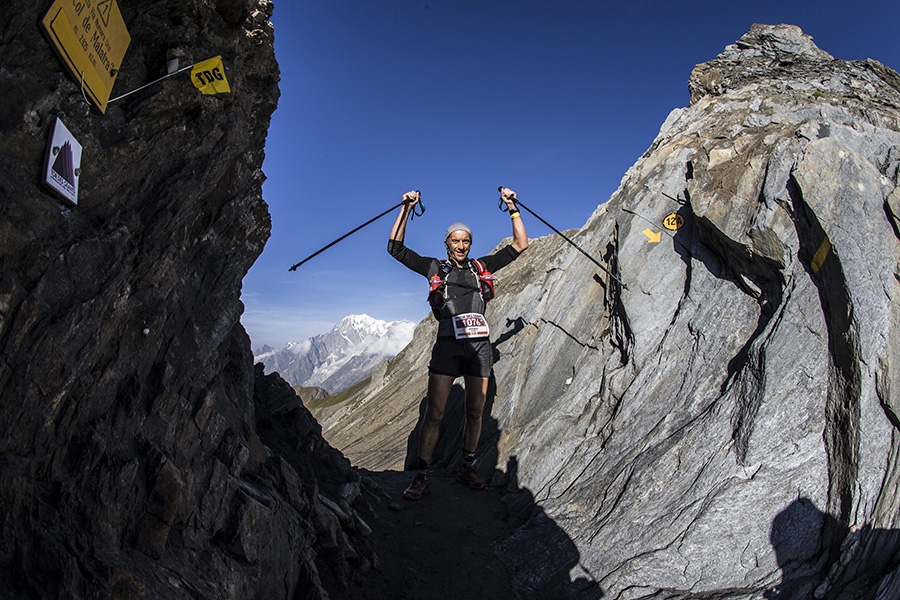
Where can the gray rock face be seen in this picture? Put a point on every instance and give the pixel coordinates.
(140, 454)
(724, 424)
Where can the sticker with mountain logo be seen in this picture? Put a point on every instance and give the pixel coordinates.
(63, 163)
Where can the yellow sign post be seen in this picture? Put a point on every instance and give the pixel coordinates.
(91, 39)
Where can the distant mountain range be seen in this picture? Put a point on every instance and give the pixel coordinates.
(341, 357)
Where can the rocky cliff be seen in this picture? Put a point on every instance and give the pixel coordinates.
(141, 456)
(720, 418)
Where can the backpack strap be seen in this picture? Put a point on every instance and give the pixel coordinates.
(437, 285)
(485, 279)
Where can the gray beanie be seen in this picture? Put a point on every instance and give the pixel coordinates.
(457, 227)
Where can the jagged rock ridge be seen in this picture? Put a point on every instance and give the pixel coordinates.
(141, 455)
(725, 424)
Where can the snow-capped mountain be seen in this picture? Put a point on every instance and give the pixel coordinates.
(341, 357)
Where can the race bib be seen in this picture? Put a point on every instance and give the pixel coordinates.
(470, 325)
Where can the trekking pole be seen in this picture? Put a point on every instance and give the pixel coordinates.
(505, 208)
(415, 213)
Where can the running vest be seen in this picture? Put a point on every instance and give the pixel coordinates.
(443, 305)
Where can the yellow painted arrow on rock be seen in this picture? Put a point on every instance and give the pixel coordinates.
(652, 236)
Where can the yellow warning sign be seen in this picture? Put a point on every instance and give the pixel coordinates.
(91, 39)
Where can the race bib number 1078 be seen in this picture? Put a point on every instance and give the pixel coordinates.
(470, 325)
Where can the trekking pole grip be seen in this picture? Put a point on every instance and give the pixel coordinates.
(416, 213)
(501, 204)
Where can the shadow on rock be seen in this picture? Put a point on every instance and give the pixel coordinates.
(540, 570)
(822, 558)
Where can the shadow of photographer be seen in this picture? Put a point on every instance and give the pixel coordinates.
(820, 557)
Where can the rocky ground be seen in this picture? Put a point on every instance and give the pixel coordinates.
(439, 547)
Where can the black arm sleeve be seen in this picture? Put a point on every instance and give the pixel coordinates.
(410, 259)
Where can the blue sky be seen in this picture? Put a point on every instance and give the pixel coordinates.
(455, 98)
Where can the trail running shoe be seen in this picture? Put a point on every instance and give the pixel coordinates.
(418, 488)
(469, 477)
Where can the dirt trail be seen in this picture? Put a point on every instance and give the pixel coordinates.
(439, 547)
